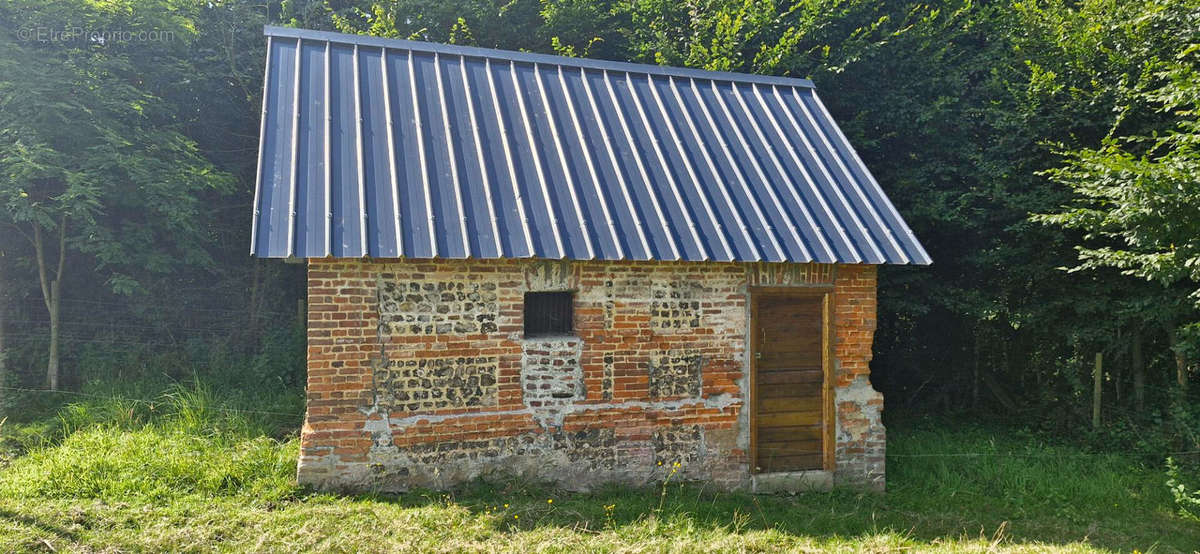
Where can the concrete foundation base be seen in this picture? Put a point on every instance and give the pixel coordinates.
(792, 482)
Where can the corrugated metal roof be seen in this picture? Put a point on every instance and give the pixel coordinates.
(392, 148)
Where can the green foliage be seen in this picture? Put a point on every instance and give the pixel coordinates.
(87, 141)
(1135, 197)
(514, 24)
(276, 363)
(972, 116)
(1139, 196)
(158, 135)
(1187, 498)
(793, 38)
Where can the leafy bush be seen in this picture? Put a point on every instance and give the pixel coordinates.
(1187, 498)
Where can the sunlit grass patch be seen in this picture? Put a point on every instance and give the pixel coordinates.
(193, 472)
(185, 441)
(153, 464)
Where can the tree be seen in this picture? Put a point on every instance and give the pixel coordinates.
(91, 158)
(1138, 202)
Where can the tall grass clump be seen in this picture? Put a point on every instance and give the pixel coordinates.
(188, 440)
(1018, 475)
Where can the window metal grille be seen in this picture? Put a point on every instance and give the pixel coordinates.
(549, 313)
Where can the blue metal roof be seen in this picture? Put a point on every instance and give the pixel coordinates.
(393, 148)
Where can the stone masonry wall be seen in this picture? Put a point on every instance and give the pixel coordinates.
(419, 374)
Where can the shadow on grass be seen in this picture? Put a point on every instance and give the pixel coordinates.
(945, 485)
(824, 517)
(42, 526)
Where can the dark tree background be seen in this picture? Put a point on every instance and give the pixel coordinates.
(1044, 152)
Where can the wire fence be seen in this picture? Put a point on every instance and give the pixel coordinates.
(1023, 455)
(128, 326)
(139, 323)
(144, 401)
(1026, 455)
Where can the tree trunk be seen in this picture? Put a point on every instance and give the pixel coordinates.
(55, 326)
(52, 295)
(1139, 374)
(975, 369)
(1180, 360)
(1181, 370)
(998, 392)
(1116, 372)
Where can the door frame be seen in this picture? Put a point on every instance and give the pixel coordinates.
(828, 413)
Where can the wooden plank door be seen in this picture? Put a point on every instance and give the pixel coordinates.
(789, 382)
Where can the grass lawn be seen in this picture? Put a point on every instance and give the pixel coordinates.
(187, 476)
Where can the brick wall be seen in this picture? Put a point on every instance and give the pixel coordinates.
(419, 374)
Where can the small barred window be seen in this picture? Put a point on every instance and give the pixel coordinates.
(549, 314)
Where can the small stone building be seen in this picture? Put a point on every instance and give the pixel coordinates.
(571, 270)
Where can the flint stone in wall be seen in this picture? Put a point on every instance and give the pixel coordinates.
(433, 383)
(675, 305)
(551, 377)
(681, 444)
(675, 373)
(438, 308)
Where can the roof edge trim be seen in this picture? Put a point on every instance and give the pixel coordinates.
(530, 57)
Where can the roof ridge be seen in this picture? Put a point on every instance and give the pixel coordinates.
(531, 57)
